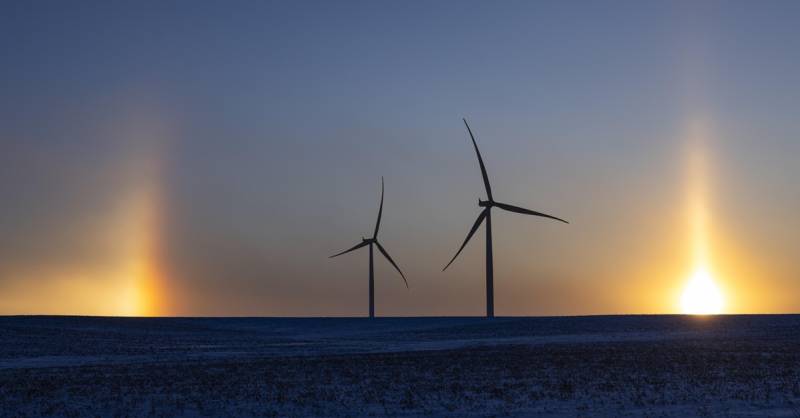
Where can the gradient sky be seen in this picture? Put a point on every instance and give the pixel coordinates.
(204, 158)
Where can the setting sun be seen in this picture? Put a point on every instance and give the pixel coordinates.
(701, 296)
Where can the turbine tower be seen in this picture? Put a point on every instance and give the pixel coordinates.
(374, 242)
(486, 214)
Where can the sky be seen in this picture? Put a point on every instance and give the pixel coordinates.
(205, 158)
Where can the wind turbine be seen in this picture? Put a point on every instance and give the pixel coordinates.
(374, 241)
(486, 214)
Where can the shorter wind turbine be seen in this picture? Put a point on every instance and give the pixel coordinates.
(374, 241)
(486, 214)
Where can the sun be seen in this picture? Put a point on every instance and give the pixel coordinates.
(701, 296)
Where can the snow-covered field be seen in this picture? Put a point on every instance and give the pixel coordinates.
(407, 367)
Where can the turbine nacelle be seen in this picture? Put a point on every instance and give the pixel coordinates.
(485, 203)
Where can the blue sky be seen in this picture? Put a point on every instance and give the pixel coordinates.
(271, 124)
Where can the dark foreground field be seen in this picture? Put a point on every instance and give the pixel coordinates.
(584, 366)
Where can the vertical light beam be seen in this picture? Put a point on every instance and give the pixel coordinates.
(701, 295)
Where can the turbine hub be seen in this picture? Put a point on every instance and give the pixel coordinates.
(485, 203)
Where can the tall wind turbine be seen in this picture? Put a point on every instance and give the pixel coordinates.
(486, 214)
(374, 242)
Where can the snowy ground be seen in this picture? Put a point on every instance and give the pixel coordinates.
(407, 367)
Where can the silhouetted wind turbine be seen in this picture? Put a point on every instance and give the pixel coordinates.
(374, 241)
(486, 213)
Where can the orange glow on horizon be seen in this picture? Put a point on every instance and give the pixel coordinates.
(115, 267)
(140, 275)
(128, 282)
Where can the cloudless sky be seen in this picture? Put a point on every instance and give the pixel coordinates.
(204, 158)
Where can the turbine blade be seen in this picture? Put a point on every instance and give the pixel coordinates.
(480, 161)
(524, 211)
(380, 212)
(471, 233)
(385, 254)
(355, 247)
